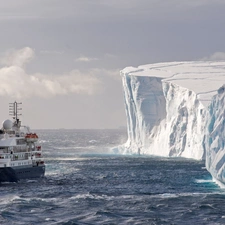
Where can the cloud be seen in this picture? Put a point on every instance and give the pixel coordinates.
(17, 57)
(16, 82)
(217, 56)
(114, 74)
(85, 59)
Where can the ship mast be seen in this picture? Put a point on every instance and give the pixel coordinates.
(14, 111)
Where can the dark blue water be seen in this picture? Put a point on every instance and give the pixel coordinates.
(86, 183)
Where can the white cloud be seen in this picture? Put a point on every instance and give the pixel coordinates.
(17, 57)
(217, 56)
(16, 82)
(85, 59)
(114, 74)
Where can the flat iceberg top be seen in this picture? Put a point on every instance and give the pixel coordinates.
(204, 78)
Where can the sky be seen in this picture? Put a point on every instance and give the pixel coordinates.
(62, 59)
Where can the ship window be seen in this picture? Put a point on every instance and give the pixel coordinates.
(3, 149)
(20, 142)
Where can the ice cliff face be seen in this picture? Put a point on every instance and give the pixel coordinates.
(215, 138)
(174, 109)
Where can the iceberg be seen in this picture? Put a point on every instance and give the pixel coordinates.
(215, 138)
(176, 109)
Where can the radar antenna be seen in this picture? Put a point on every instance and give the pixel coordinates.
(14, 111)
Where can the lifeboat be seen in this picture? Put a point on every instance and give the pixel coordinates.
(31, 137)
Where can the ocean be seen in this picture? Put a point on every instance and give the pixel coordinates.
(87, 183)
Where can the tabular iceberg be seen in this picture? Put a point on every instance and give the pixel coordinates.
(177, 109)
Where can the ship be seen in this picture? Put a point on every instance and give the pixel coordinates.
(20, 154)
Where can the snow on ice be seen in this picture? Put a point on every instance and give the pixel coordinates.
(177, 109)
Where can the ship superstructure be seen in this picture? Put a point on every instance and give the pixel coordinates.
(20, 155)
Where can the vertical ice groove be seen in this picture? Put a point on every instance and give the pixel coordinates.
(184, 122)
(163, 118)
(143, 104)
(215, 138)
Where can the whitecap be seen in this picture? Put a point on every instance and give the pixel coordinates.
(31, 181)
(203, 181)
(168, 195)
(91, 196)
(8, 199)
